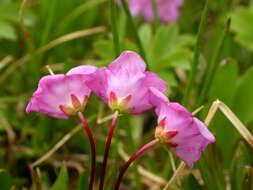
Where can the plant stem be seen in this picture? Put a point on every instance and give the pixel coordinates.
(195, 62)
(134, 29)
(107, 150)
(115, 33)
(212, 67)
(93, 149)
(134, 157)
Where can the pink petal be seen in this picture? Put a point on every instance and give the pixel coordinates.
(83, 69)
(98, 83)
(157, 98)
(126, 77)
(193, 136)
(128, 62)
(167, 10)
(152, 80)
(54, 91)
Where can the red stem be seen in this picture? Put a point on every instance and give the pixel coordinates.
(93, 149)
(134, 157)
(107, 150)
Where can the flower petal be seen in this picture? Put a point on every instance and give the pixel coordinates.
(192, 137)
(56, 90)
(129, 62)
(98, 83)
(157, 98)
(83, 69)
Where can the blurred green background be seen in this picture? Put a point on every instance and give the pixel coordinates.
(26, 26)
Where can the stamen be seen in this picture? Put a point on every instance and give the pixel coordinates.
(171, 144)
(67, 109)
(170, 134)
(75, 101)
(128, 98)
(113, 97)
(162, 123)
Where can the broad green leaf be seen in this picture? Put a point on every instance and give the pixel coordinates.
(104, 49)
(83, 181)
(226, 76)
(163, 39)
(62, 180)
(9, 11)
(145, 34)
(242, 26)
(238, 171)
(243, 99)
(170, 49)
(168, 77)
(7, 31)
(5, 180)
(223, 88)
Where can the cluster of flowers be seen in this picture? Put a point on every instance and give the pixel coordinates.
(166, 10)
(125, 86)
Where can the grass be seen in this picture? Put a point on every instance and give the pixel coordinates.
(191, 55)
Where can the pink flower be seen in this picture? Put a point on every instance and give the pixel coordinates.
(179, 129)
(124, 84)
(62, 95)
(167, 10)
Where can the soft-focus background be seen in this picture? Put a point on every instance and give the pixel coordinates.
(27, 29)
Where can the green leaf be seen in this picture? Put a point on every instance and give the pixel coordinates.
(62, 180)
(5, 180)
(223, 88)
(145, 34)
(169, 49)
(83, 181)
(9, 12)
(163, 39)
(243, 99)
(7, 31)
(242, 26)
(104, 49)
(226, 76)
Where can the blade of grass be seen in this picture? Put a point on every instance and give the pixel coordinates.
(77, 12)
(245, 133)
(142, 171)
(5, 61)
(212, 67)
(195, 62)
(134, 29)
(132, 149)
(62, 39)
(115, 33)
(175, 175)
(60, 143)
(49, 22)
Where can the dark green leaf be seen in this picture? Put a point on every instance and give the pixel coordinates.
(62, 180)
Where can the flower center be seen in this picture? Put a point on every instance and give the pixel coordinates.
(75, 107)
(120, 104)
(165, 135)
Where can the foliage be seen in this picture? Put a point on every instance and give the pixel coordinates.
(169, 51)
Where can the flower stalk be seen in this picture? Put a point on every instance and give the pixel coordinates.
(107, 150)
(133, 158)
(93, 149)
